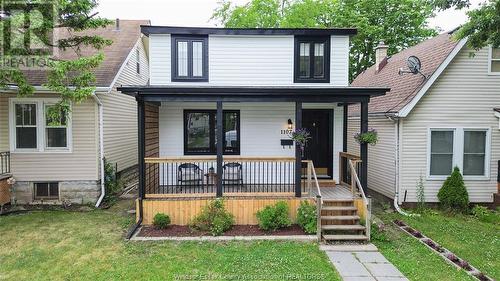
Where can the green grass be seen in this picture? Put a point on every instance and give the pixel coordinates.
(59, 245)
(475, 241)
(467, 237)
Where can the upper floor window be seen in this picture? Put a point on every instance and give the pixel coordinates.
(189, 58)
(312, 59)
(494, 64)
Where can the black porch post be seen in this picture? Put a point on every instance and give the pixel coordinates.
(141, 149)
(298, 152)
(364, 146)
(141, 153)
(346, 116)
(220, 147)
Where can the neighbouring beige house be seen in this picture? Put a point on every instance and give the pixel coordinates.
(429, 123)
(65, 163)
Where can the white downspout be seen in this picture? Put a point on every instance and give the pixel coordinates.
(397, 126)
(101, 148)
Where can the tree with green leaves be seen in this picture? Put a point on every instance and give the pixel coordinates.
(482, 28)
(399, 23)
(39, 21)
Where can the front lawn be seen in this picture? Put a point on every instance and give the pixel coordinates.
(472, 240)
(59, 245)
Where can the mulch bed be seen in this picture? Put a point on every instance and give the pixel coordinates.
(236, 230)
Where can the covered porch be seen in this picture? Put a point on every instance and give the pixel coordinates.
(256, 165)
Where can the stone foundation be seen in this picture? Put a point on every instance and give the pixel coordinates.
(76, 192)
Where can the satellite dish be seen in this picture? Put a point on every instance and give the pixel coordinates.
(414, 65)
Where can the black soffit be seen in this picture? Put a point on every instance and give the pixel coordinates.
(151, 29)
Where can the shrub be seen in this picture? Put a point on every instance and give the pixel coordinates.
(306, 217)
(161, 220)
(112, 185)
(213, 218)
(274, 217)
(453, 194)
(483, 214)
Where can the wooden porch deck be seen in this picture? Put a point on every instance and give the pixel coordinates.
(339, 192)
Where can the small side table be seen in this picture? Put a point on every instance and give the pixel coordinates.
(211, 179)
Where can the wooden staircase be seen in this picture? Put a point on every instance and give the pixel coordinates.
(340, 221)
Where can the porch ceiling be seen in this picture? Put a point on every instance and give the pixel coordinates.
(254, 93)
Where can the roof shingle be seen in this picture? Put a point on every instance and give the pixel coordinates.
(123, 39)
(432, 53)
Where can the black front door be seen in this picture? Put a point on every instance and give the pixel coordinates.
(319, 122)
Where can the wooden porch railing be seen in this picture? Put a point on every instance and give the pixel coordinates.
(240, 175)
(349, 167)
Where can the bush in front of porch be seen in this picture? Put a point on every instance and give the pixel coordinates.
(213, 218)
(306, 217)
(274, 217)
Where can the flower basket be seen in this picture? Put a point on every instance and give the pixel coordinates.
(370, 137)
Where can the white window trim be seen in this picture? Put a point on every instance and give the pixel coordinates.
(40, 131)
(458, 152)
(490, 60)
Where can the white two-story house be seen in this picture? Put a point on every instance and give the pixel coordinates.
(216, 117)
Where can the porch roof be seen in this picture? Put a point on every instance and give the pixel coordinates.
(254, 93)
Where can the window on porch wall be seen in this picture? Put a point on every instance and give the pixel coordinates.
(200, 132)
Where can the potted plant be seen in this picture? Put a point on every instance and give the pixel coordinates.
(301, 136)
(370, 137)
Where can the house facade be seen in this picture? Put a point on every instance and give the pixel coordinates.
(54, 164)
(250, 88)
(430, 123)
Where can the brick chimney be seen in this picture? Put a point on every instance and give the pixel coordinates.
(380, 56)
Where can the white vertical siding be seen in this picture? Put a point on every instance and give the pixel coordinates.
(251, 60)
(260, 123)
(339, 62)
(463, 96)
(381, 157)
(248, 60)
(159, 59)
(120, 113)
(79, 164)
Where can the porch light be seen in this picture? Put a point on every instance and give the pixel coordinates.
(290, 124)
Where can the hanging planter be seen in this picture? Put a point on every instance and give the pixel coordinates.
(370, 137)
(301, 136)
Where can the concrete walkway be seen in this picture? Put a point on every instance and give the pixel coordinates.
(355, 263)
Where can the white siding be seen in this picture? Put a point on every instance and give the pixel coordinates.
(120, 113)
(248, 60)
(260, 123)
(80, 164)
(251, 60)
(381, 157)
(159, 59)
(339, 62)
(464, 96)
